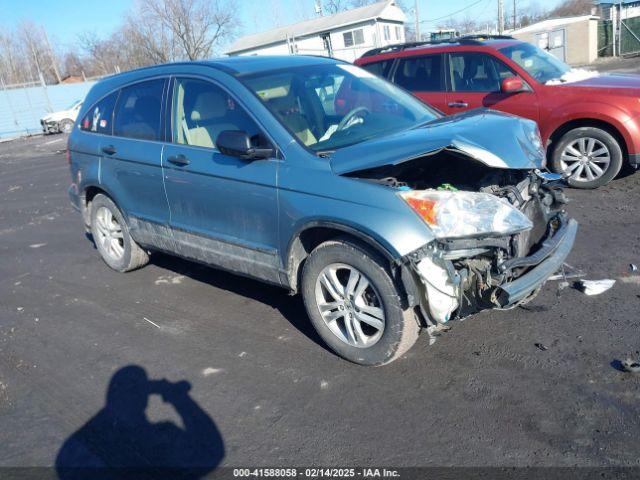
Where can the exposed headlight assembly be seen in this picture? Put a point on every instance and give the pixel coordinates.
(466, 214)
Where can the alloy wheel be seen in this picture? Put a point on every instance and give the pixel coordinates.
(586, 159)
(350, 305)
(110, 234)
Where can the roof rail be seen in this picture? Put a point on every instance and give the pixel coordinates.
(466, 39)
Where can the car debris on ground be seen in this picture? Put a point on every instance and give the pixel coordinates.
(595, 287)
(631, 366)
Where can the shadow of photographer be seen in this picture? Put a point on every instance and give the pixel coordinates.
(120, 442)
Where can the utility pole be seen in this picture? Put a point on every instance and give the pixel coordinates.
(514, 14)
(417, 15)
(500, 17)
(51, 55)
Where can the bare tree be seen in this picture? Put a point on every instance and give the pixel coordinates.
(570, 8)
(196, 27)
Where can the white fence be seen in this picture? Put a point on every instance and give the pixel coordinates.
(22, 108)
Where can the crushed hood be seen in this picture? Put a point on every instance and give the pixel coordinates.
(496, 139)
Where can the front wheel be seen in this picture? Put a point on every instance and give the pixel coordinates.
(590, 155)
(354, 304)
(65, 126)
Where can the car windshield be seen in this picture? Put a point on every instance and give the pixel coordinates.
(332, 106)
(541, 65)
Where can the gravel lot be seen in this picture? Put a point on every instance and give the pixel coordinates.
(483, 395)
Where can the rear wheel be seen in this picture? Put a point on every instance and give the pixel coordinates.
(591, 155)
(112, 238)
(354, 304)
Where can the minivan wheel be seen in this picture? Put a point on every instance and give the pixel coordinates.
(111, 236)
(592, 156)
(354, 304)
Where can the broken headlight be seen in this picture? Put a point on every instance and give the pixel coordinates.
(465, 214)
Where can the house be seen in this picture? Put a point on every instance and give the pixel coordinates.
(573, 40)
(344, 35)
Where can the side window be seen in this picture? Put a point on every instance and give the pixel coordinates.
(138, 111)
(420, 74)
(477, 72)
(99, 117)
(201, 110)
(379, 68)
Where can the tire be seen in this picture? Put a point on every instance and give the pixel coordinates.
(395, 331)
(65, 126)
(112, 238)
(581, 143)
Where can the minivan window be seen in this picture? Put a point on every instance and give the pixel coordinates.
(138, 111)
(98, 118)
(420, 74)
(201, 110)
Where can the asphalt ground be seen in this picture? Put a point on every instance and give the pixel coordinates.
(264, 390)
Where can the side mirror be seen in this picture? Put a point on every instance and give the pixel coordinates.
(237, 143)
(511, 85)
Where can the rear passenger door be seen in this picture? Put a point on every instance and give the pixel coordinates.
(131, 165)
(424, 76)
(476, 82)
(223, 208)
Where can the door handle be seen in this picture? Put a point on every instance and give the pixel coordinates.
(109, 149)
(458, 104)
(179, 160)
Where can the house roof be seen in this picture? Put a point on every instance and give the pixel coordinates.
(551, 23)
(318, 25)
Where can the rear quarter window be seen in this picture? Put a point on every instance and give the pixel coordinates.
(99, 117)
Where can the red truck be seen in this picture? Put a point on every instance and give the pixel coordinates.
(590, 122)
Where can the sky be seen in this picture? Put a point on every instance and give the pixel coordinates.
(66, 19)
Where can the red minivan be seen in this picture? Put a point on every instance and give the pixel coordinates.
(590, 122)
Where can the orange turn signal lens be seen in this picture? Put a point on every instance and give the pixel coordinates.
(424, 207)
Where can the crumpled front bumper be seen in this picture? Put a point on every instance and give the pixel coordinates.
(49, 126)
(444, 287)
(548, 260)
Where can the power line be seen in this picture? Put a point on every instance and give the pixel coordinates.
(454, 13)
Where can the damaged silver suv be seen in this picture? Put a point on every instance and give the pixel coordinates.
(315, 175)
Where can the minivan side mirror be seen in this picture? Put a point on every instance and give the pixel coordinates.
(511, 85)
(237, 143)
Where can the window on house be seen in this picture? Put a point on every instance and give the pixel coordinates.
(358, 36)
(348, 39)
(387, 32)
(354, 37)
(398, 33)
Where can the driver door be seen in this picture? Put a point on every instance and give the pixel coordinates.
(475, 80)
(223, 209)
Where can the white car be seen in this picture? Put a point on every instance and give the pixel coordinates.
(62, 120)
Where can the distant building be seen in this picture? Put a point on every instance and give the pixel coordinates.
(345, 35)
(72, 79)
(573, 40)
